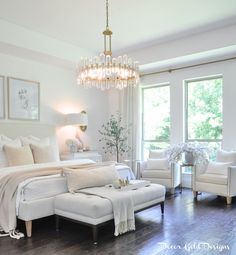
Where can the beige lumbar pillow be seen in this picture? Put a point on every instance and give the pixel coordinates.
(86, 178)
(43, 153)
(17, 156)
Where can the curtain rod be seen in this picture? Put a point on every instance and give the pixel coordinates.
(185, 67)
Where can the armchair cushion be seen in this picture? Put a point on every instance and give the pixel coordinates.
(218, 168)
(213, 178)
(161, 174)
(158, 164)
(226, 156)
(157, 154)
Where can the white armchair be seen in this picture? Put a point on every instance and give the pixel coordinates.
(157, 169)
(217, 177)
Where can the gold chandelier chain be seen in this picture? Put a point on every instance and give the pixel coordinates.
(107, 21)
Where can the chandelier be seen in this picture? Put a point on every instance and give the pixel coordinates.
(105, 71)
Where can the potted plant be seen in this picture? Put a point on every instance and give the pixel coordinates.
(114, 136)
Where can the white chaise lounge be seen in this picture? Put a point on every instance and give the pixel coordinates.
(94, 210)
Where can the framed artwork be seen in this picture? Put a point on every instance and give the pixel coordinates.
(2, 101)
(23, 99)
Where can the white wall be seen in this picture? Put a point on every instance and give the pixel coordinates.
(34, 44)
(187, 45)
(59, 94)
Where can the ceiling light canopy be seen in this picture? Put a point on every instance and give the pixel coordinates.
(105, 71)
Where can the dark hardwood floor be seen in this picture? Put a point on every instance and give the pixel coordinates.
(206, 226)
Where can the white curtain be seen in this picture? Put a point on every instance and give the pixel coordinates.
(129, 106)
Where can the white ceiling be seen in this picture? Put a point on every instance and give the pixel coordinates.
(135, 23)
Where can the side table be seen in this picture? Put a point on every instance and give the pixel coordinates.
(93, 155)
(183, 165)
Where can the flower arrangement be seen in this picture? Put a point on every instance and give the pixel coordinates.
(199, 153)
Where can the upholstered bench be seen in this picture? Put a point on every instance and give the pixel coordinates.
(94, 210)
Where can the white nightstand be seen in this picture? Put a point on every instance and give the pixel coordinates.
(93, 155)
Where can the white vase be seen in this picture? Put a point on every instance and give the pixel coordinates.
(189, 158)
(73, 148)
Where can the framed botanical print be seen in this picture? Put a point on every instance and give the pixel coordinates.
(2, 101)
(23, 99)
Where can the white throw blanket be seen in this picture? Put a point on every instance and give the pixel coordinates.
(122, 203)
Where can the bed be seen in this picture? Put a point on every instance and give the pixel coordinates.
(35, 195)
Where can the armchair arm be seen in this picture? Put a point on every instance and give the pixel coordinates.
(198, 170)
(141, 165)
(231, 181)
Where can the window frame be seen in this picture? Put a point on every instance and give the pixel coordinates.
(143, 88)
(212, 77)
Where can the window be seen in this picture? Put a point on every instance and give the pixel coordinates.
(156, 118)
(204, 111)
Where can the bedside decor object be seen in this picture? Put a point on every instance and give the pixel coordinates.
(92, 155)
(74, 145)
(23, 99)
(104, 71)
(2, 102)
(115, 137)
(80, 120)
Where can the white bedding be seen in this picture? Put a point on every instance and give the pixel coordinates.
(49, 186)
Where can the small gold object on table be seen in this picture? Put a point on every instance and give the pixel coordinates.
(121, 183)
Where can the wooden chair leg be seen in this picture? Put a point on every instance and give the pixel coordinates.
(162, 207)
(28, 225)
(95, 234)
(57, 223)
(229, 200)
(195, 193)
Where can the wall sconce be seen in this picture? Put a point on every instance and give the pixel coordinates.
(77, 119)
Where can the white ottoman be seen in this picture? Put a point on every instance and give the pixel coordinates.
(94, 210)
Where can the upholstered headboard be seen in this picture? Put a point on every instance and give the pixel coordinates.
(14, 129)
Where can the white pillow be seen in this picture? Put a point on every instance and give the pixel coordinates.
(218, 167)
(43, 141)
(6, 141)
(157, 154)
(157, 164)
(85, 178)
(34, 140)
(17, 156)
(226, 156)
(43, 153)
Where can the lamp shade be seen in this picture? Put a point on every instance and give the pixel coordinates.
(78, 119)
